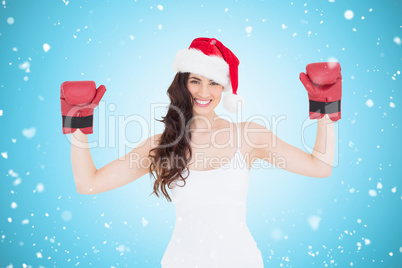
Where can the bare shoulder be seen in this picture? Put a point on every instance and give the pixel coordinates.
(150, 143)
(249, 125)
(254, 132)
(253, 136)
(140, 155)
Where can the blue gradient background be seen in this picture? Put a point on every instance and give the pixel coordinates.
(126, 227)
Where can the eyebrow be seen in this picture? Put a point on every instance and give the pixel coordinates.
(200, 79)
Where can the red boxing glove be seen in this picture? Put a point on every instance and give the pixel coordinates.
(323, 83)
(78, 101)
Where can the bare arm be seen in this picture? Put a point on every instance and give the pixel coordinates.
(324, 147)
(81, 161)
(117, 173)
(283, 155)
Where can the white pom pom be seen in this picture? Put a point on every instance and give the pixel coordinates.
(233, 102)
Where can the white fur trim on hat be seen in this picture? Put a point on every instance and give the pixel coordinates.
(212, 67)
(233, 102)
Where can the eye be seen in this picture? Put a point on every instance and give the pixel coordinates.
(194, 81)
(213, 83)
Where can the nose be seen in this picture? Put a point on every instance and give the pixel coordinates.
(204, 91)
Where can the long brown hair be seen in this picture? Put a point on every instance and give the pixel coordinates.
(169, 158)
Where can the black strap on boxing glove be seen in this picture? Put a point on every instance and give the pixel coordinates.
(325, 107)
(77, 122)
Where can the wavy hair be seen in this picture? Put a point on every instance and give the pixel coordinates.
(169, 158)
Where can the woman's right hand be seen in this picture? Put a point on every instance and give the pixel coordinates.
(78, 101)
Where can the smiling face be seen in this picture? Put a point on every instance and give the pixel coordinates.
(206, 93)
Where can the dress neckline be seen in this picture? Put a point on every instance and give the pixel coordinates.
(228, 163)
(219, 168)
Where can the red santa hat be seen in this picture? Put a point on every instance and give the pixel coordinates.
(210, 58)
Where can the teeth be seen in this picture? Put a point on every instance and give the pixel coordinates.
(202, 102)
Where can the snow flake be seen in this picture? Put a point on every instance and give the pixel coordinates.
(40, 187)
(372, 192)
(379, 185)
(369, 103)
(348, 14)
(25, 66)
(29, 133)
(66, 215)
(12, 173)
(46, 47)
(332, 62)
(123, 248)
(144, 222)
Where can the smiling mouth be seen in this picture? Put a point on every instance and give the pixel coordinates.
(202, 102)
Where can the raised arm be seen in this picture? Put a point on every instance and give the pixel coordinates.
(82, 164)
(117, 173)
(323, 82)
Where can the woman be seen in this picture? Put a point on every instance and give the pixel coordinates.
(208, 181)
